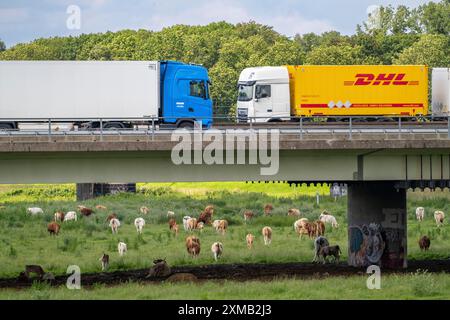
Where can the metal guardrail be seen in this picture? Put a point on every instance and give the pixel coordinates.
(300, 126)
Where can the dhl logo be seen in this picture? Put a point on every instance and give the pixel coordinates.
(383, 79)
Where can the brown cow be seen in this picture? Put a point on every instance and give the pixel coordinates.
(85, 211)
(294, 212)
(53, 228)
(105, 261)
(248, 215)
(424, 243)
(206, 215)
(59, 216)
(111, 216)
(320, 228)
(326, 251)
(193, 246)
(268, 208)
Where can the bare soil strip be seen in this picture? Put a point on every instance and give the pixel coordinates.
(235, 272)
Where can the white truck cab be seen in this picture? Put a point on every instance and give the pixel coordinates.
(263, 95)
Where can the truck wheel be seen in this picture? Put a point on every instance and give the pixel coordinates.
(5, 126)
(186, 125)
(114, 126)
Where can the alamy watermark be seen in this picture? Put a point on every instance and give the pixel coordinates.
(73, 21)
(74, 280)
(374, 280)
(229, 147)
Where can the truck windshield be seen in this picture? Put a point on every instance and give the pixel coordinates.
(245, 92)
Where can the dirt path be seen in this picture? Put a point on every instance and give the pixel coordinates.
(237, 272)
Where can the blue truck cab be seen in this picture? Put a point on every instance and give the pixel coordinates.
(185, 94)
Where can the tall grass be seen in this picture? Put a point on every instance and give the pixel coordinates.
(24, 239)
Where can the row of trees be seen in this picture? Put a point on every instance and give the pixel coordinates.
(393, 36)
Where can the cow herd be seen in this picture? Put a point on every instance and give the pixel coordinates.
(194, 227)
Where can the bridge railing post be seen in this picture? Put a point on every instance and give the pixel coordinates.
(301, 128)
(399, 127)
(350, 124)
(49, 129)
(101, 129)
(448, 127)
(153, 129)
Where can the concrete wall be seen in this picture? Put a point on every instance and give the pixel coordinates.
(377, 225)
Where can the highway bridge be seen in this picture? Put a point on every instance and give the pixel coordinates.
(379, 164)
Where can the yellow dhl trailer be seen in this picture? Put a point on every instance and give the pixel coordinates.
(277, 93)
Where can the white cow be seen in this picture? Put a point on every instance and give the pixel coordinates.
(170, 214)
(328, 218)
(439, 216)
(122, 248)
(139, 224)
(300, 224)
(420, 213)
(185, 223)
(71, 216)
(114, 224)
(35, 211)
(217, 250)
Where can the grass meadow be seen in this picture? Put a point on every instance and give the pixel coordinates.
(25, 240)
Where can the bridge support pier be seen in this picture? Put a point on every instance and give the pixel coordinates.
(377, 218)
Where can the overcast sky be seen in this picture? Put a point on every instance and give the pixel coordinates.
(25, 20)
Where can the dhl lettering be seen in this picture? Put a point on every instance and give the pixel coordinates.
(382, 79)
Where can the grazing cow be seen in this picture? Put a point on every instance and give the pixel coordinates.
(34, 269)
(294, 213)
(100, 207)
(122, 248)
(328, 218)
(114, 224)
(302, 227)
(59, 216)
(105, 261)
(193, 246)
(268, 208)
(250, 239)
(144, 210)
(424, 243)
(326, 251)
(420, 214)
(221, 226)
(35, 211)
(175, 229)
(111, 216)
(248, 215)
(200, 226)
(86, 212)
(320, 228)
(311, 227)
(172, 223)
(319, 242)
(70, 216)
(191, 224)
(185, 222)
(206, 215)
(139, 223)
(217, 250)
(439, 216)
(160, 269)
(267, 234)
(53, 228)
(170, 214)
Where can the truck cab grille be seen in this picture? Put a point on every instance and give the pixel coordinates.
(242, 115)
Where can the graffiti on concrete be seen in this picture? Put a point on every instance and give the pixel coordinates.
(367, 245)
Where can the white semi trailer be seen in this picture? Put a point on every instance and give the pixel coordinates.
(116, 91)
